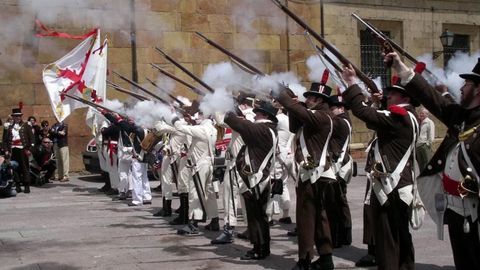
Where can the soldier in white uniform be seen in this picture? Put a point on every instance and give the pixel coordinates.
(200, 157)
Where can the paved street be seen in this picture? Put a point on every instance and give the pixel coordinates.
(73, 226)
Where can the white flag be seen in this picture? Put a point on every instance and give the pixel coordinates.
(82, 73)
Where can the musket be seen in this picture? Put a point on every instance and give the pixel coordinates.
(139, 87)
(395, 45)
(210, 89)
(170, 95)
(362, 76)
(168, 74)
(329, 59)
(94, 105)
(239, 61)
(125, 91)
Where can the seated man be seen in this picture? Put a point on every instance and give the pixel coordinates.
(43, 162)
(7, 168)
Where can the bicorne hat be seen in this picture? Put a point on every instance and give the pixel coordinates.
(474, 75)
(267, 108)
(320, 89)
(396, 86)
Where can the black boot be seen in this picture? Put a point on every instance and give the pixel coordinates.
(18, 188)
(27, 188)
(183, 215)
(243, 235)
(214, 225)
(166, 211)
(226, 237)
(302, 264)
(190, 229)
(325, 262)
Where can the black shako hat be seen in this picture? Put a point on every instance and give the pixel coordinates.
(474, 75)
(16, 112)
(336, 100)
(267, 108)
(320, 89)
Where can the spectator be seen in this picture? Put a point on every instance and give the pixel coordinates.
(43, 161)
(424, 150)
(59, 135)
(32, 121)
(45, 129)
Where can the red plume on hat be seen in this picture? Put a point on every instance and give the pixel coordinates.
(20, 105)
(395, 80)
(420, 67)
(325, 76)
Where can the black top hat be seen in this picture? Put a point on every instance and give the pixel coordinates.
(336, 100)
(319, 90)
(398, 88)
(242, 97)
(474, 75)
(16, 112)
(267, 108)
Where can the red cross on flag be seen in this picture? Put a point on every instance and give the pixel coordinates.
(82, 72)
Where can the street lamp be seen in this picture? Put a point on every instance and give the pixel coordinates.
(447, 40)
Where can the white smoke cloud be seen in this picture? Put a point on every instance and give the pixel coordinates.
(220, 101)
(115, 105)
(460, 63)
(147, 113)
(221, 75)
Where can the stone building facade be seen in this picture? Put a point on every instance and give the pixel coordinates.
(254, 29)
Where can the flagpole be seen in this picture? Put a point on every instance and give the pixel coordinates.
(133, 41)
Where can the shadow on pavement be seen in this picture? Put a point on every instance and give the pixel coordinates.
(423, 266)
(92, 178)
(46, 266)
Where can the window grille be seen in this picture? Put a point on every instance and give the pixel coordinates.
(460, 43)
(371, 58)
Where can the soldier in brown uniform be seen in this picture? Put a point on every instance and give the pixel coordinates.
(339, 215)
(312, 124)
(253, 162)
(449, 184)
(391, 190)
(18, 140)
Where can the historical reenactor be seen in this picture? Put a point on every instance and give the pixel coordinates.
(18, 141)
(392, 174)
(175, 141)
(110, 136)
(449, 184)
(131, 137)
(339, 216)
(312, 124)
(231, 179)
(253, 162)
(282, 171)
(202, 201)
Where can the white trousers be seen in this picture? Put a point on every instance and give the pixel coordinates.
(124, 173)
(184, 175)
(279, 201)
(141, 187)
(167, 177)
(201, 198)
(101, 157)
(113, 172)
(231, 202)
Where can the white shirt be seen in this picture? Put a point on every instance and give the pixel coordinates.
(203, 136)
(427, 132)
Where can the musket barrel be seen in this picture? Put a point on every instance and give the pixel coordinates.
(139, 87)
(125, 91)
(231, 55)
(170, 95)
(362, 76)
(168, 74)
(210, 89)
(92, 104)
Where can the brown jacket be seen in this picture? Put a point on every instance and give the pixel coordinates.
(257, 138)
(316, 126)
(394, 132)
(452, 115)
(26, 137)
(341, 133)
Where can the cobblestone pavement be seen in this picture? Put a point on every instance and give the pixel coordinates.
(73, 226)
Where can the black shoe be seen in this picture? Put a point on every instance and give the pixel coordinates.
(27, 189)
(104, 188)
(366, 261)
(293, 233)
(302, 264)
(323, 263)
(226, 237)
(121, 197)
(285, 220)
(254, 255)
(190, 229)
(18, 188)
(133, 204)
(213, 226)
(129, 194)
(183, 215)
(243, 235)
(111, 192)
